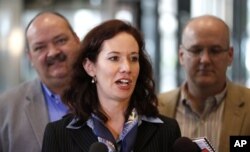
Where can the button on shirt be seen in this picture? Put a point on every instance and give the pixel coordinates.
(54, 103)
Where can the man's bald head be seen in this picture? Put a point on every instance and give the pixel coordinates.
(208, 23)
(41, 16)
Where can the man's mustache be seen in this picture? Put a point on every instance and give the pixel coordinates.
(56, 58)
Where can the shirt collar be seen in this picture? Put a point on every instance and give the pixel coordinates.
(218, 97)
(47, 91)
(75, 125)
(211, 103)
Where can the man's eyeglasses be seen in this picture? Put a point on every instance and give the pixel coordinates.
(213, 51)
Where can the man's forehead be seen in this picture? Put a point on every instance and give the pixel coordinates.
(46, 23)
(48, 18)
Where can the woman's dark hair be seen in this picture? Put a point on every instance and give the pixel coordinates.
(82, 95)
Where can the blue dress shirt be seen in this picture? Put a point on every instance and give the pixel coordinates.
(55, 107)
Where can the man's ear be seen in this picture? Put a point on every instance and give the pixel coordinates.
(89, 67)
(230, 55)
(180, 55)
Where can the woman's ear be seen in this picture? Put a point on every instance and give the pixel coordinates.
(89, 67)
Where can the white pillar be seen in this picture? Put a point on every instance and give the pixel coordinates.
(11, 42)
(220, 8)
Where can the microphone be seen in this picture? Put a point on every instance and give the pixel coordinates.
(98, 147)
(184, 144)
(204, 144)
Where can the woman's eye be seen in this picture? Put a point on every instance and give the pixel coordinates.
(134, 58)
(114, 58)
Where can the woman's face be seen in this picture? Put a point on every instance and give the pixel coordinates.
(117, 68)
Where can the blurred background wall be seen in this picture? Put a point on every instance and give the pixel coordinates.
(160, 21)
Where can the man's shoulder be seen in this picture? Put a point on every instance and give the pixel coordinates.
(18, 92)
(238, 95)
(238, 89)
(169, 94)
(168, 101)
(20, 88)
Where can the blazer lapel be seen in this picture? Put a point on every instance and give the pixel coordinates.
(233, 115)
(145, 132)
(36, 110)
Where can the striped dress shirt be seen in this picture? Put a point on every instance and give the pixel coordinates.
(205, 124)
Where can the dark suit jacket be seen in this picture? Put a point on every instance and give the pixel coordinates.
(236, 115)
(23, 118)
(150, 138)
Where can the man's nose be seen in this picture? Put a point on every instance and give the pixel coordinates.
(205, 55)
(53, 50)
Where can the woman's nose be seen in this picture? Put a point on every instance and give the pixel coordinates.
(125, 66)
